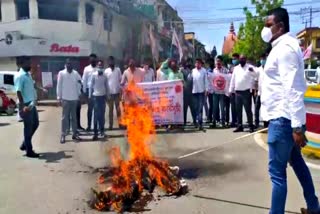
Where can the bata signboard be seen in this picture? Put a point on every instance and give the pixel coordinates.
(56, 48)
(34, 47)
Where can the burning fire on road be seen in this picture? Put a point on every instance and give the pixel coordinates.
(129, 181)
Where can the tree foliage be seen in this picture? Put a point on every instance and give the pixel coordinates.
(249, 36)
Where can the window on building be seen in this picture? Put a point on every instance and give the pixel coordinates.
(22, 8)
(318, 43)
(8, 79)
(89, 14)
(107, 21)
(52, 10)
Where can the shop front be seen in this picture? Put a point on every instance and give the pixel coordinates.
(48, 58)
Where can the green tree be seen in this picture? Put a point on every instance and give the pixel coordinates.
(249, 36)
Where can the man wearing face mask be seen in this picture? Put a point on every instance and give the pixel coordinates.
(99, 91)
(241, 82)
(24, 86)
(114, 77)
(235, 62)
(86, 79)
(282, 100)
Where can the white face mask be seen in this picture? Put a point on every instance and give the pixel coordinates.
(266, 34)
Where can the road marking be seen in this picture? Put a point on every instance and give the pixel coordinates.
(228, 142)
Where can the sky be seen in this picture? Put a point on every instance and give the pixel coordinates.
(210, 22)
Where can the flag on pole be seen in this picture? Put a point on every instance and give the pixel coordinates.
(176, 42)
(154, 45)
(308, 52)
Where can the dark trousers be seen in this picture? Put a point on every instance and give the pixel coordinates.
(233, 109)
(257, 111)
(31, 124)
(210, 112)
(227, 102)
(198, 102)
(254, 96)
(114, 101)
(219, 107)
(99, 113)
(79, 115)
(244, 99)
(188, 103)
(90, 109)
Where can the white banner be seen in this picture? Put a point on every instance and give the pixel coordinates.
(171, 112)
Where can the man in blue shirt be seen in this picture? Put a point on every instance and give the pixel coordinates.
(25, 91)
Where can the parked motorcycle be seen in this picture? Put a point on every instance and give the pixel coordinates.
(7, 105)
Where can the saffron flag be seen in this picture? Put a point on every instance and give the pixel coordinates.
(176, 42)
(307, 53)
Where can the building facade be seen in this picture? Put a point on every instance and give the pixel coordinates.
(310, 36)
(50, 33)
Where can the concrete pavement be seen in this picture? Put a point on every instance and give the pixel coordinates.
(232, 178)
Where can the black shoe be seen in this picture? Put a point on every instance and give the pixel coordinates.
(76, 138)
(23, 147)
(239, 129)
(201, 128)
(305, 211)
(88, 129)
(213, 126)
(63, 140)
(32, 155)
(95, 138)
(81, 128)
(233, 125)
(110, 128)
(252, 128)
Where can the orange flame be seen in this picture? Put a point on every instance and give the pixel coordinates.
(138, 119)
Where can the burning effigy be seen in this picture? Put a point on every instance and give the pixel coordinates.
(128, 180)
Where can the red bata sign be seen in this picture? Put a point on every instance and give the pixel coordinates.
(56, 48)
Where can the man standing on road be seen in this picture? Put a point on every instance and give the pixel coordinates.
(86, 79)
(99, 91)
(68, 92)
(25, 91)
(220, 85)
(114, 78)
(199, 91)
(187, 92)
(232, 100)
(282, 99)
(240, 84)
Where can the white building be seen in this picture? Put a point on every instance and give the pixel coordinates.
(51, 30)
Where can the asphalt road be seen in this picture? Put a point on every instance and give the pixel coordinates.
(232, 178)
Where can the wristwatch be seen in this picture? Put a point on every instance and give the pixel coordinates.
(298, 130)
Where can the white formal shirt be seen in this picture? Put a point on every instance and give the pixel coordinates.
(241, 79)
(200, 81)
(259, 78)
(283, 85)
(86, 77)
(114, 78)
(69, 85)
(99, 85)
(210, 81)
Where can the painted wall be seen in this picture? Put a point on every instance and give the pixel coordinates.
(8, 64)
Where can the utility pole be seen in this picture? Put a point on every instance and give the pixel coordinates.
(311, 16)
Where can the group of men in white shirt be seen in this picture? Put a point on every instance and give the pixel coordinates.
(99, 86)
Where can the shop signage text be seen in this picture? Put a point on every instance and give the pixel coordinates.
(56, 48)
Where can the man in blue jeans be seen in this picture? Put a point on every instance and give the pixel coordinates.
(282, 99)
(100, 92)
(27, 110)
